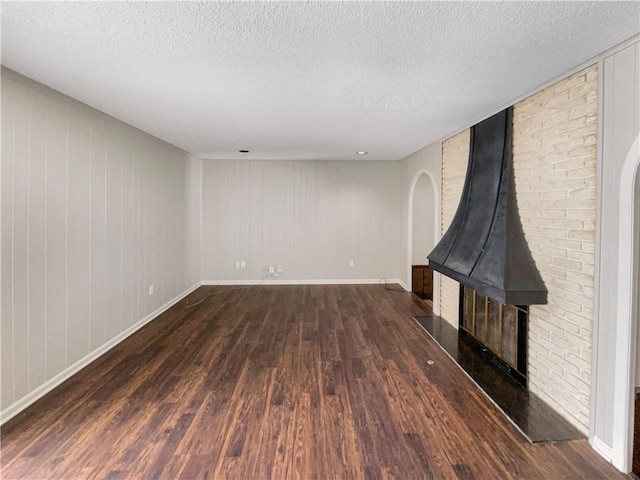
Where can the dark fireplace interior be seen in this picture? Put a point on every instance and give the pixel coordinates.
(496, 330)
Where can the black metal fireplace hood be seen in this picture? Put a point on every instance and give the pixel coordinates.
(485, 248)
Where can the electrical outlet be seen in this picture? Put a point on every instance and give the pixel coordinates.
(279, 268)
(237, 264)
(150, 289)
(271, 270)
(243, 264)
(351, 263)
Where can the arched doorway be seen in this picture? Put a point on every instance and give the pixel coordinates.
(627, 352)
(636, 321)
(423, 228)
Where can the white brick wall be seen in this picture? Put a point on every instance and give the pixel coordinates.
(455, 157)
(554, 154)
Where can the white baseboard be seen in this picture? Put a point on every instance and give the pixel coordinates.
(18, 406)
(602, 448)
(280, 281)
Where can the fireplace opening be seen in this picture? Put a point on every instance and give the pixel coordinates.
(496, 330)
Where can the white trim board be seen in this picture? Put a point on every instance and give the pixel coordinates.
(625, 359)
(18, 406)
(601, 447)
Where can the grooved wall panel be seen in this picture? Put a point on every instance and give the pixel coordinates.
(311, 217)
(93, 212)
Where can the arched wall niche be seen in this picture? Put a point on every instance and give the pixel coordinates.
(424, 184)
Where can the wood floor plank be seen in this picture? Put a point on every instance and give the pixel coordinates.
(327, 381)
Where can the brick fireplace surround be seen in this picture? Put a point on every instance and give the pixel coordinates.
(554, 158)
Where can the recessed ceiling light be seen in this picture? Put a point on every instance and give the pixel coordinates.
(362, 152)
(243, 151)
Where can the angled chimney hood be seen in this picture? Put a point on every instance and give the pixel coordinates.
(485, 248)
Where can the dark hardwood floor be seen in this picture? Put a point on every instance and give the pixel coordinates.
(280, 382)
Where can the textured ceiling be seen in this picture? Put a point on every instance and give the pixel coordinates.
(292, 80)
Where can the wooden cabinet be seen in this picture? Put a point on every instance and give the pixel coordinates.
(422, 281)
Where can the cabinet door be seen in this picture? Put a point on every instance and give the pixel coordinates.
(427, 280)
(417, 280)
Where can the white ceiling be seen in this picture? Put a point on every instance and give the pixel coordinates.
(292, 80)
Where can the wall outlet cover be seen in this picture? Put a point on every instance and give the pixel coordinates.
(150, 289)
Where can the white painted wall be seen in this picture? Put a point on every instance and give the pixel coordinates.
(311, 217)
(425, 163)
(620, 113)
(93, 212)
(423, 220)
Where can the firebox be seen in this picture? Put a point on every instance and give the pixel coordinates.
(497, 330)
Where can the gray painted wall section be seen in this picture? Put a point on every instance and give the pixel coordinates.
(310, 217)
(93, 212)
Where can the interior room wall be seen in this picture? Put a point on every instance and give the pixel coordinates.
(423, 220)
(94, 212)
(554, 157)
(310, 217)
(620, 127)
(426, 161)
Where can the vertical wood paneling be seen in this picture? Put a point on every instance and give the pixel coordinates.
(160, 210)
(288, 244)
(79, 236)
(255, 266)
(98, 233)
(146, 228)
(309, 217)
(113, 323)
(311, 222)
(349, 202)
(20, 239)
(245, 212)
(278, 213)
(267, 217)
(56, 235)
(37, 208)
(171, 221)
(6, 338)
(127, 231)
(93, 212)
(298, 242)
(137, 244)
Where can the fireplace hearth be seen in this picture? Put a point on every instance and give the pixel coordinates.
(528, 412)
